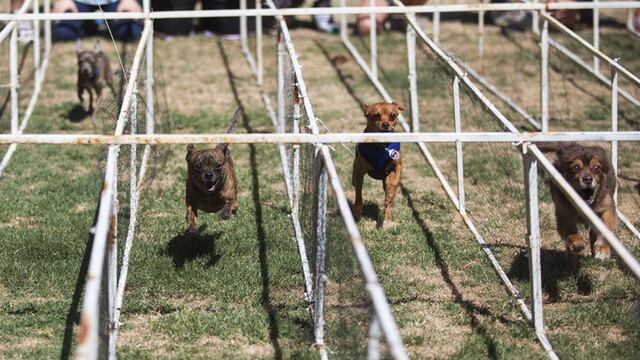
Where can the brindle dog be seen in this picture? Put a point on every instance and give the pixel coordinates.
(211, 181)
(94, 72)
(380, 161)
(589, 172)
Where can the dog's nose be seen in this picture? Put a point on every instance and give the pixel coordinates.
(385, 125)
(588, 180)
(208, 174)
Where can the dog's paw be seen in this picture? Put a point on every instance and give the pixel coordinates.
(225, 214)
(358, 209)
(387, 224)
(575, 244)
(601, 252)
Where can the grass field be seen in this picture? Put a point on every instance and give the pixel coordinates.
(236, 291)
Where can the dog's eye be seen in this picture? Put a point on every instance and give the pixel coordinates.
(393, 116)
(596, 169)
(198, 166)
(218, 167)
(575, 169)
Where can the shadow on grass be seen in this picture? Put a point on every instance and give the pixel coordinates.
(271, 310)
(188, 247)
(472, 310)
(77, 114)
(554, 270)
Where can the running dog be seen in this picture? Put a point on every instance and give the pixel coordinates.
(380, 161)
(211, 181)
(589, 172)
(94, 72)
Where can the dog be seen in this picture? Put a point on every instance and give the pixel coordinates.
(94, 72)
(379, 161)
(588, 170)
(211, 181)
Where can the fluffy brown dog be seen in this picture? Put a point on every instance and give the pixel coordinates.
(589, 172)
(380, 161)
(94, 72)
(211, 181)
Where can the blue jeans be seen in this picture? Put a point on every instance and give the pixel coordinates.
(66, 30)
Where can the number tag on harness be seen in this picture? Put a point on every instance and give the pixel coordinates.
(394, 154)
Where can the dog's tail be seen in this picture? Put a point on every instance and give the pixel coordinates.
(234, 121)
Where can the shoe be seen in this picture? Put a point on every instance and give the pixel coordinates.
(510, 18)
(25, 31)
(324, 23)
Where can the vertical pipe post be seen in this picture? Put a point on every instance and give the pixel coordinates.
(373, 40)
(36, 44)
(112, 276)
(148, 83)
(373, 338)
(459, 155)
(614, 125)
(47, 28)
(544, 76)
(436, 24)
(243, 25)
(297, 114)
(13, 68)
(481, 39)
(321, 239)
(281, 84)
(596, 37)
(535, 21)
(413, 78)
(533, 236)
(343, 21)
(259, 70)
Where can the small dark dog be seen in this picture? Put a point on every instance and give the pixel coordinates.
(380, 161)
(94, 72)
(211, 181)
(589, 172)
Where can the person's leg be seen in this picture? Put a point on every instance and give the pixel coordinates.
(123, 29)
(324, 22)
(173, 26)
(363, 19)
(229, 26)
(68, 30)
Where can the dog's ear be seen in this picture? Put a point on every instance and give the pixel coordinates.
(397, 105)
(224, 148)
(96, 46)
(78, 46)
(190, 150)
(365, 109)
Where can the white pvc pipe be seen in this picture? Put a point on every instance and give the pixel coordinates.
(422, 9)
(544, 76)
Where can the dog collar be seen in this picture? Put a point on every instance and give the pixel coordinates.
(378, 156)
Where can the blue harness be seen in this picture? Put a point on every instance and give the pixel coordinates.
(379, 155)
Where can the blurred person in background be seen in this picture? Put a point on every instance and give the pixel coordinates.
(125, 29)
(322, 22)
(363, 23)
(25, 27)
(168, 28)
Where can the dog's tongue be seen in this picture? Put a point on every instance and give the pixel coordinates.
(212, 188)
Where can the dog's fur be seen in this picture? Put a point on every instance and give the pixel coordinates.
(381, 117)
(211, 180)
(94, 72)
(588, 170)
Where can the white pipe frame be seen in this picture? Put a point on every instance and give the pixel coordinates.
(105, 229)
(348, 10)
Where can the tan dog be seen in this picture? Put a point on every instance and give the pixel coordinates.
(211, 181)
(380, 161)
(589, 172)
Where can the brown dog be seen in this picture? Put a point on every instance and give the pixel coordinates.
(380, 161)
(211, 181)
(94, 72)
(589, 172)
